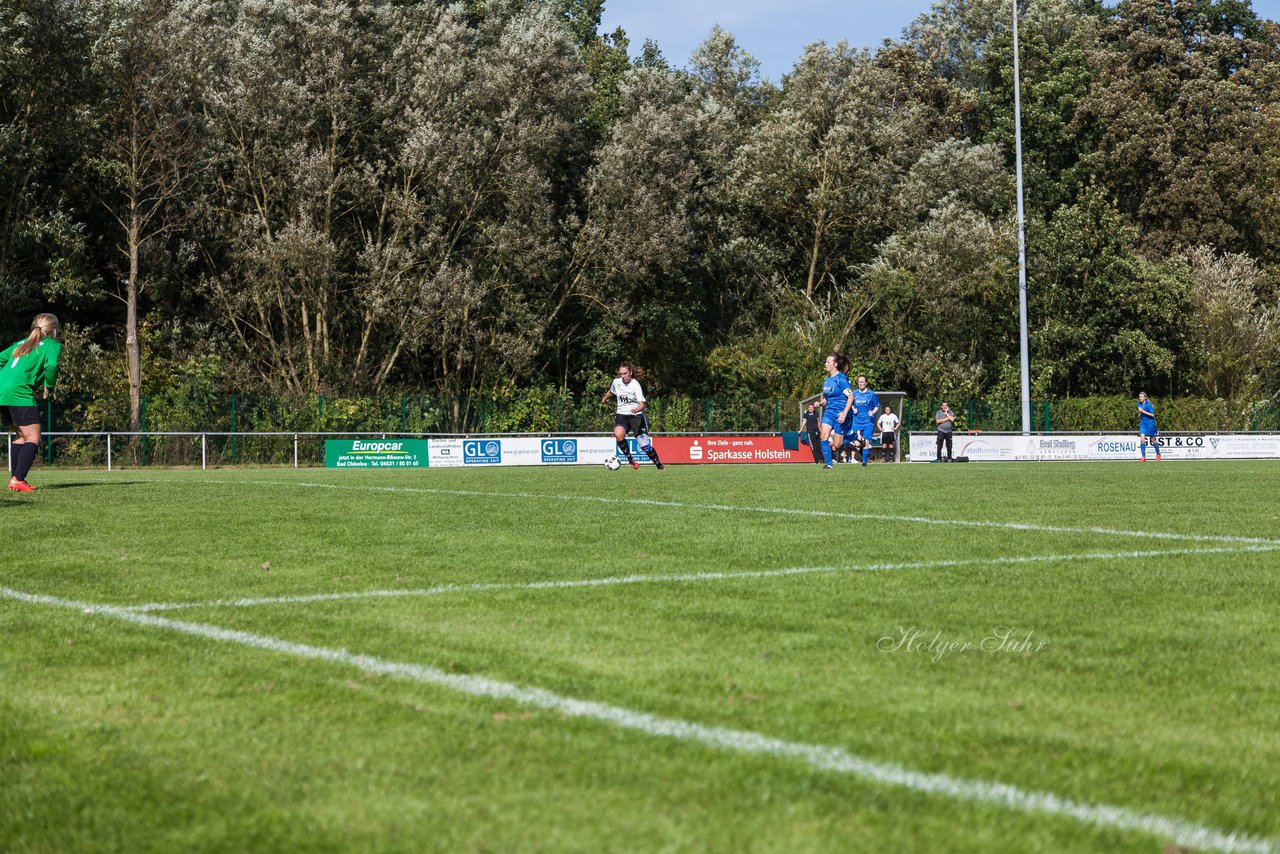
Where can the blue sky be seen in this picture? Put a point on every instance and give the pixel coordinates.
(775, 31)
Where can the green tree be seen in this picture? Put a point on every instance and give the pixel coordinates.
(45, 87)
(1179, 116)
(816, 177)
(1104, 318)
(1237, 324)
(392, 185)
(1056, 44)
(944, 284)
(639, 264)
(146, 152)
(604, 59)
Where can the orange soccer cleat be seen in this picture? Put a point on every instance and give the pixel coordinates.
(16, 485)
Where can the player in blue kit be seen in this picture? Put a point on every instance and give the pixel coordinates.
(837, 400)
(1147, 426)
(866, 406)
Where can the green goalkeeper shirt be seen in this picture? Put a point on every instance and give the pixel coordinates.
(22, 376)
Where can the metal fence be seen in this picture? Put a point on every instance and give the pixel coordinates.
(271, 430)
(178, 449)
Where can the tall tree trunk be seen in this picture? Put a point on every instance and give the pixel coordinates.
(815, 249)
(131, 344)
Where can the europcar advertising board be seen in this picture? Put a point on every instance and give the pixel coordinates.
(375, 453)
(1065, 446)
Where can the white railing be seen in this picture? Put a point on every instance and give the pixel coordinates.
(297, 436)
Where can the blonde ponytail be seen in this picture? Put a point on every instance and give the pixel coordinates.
(44, 326)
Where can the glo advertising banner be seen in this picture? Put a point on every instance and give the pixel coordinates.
(1065, 446)
(521, 451)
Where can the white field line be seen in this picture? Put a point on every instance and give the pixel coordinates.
(689, 577)
(732, 508)
(825, 758)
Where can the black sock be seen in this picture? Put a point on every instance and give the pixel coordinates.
(653, 455)
(625, 450)
(23, 458)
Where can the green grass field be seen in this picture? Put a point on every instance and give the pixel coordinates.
(563, 659)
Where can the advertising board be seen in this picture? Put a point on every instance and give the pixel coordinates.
(522, 451)
(375, 453)
(504, 451)
(728, 449)
(1041, 447)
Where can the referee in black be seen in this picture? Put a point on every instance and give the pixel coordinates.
(810, 426)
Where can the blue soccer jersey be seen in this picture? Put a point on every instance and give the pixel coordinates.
(868, 405)
(834, 389)
(1147, 421)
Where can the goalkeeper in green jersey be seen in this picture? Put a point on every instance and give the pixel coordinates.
(27, 369)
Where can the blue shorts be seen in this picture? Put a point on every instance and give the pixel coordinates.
(829, 417)
(863, 431)
(1149, 434)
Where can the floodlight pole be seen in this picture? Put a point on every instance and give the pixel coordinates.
(1022, 236)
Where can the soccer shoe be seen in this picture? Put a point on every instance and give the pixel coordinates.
(16, 485)
(659, 466)
(635, 465)
(826, 467)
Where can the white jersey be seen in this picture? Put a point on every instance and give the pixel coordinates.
(627, 394)
(888, 423)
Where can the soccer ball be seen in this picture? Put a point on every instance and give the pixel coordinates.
(612, 464)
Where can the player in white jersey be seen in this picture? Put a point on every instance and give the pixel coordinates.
(630, 417)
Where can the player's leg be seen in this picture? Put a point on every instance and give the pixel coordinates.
(646, 443)
(1142, 446)
(864, 440)
(25, 448)
(1155, 443)
(7, 422)
(826, 444)
(850, 441)
(620, 438)
(938, 457)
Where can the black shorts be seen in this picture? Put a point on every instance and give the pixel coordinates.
(888, 437)
(19, 416)
(634, 424)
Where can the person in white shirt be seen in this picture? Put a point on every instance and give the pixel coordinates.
(630, 417)
(888, 424)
